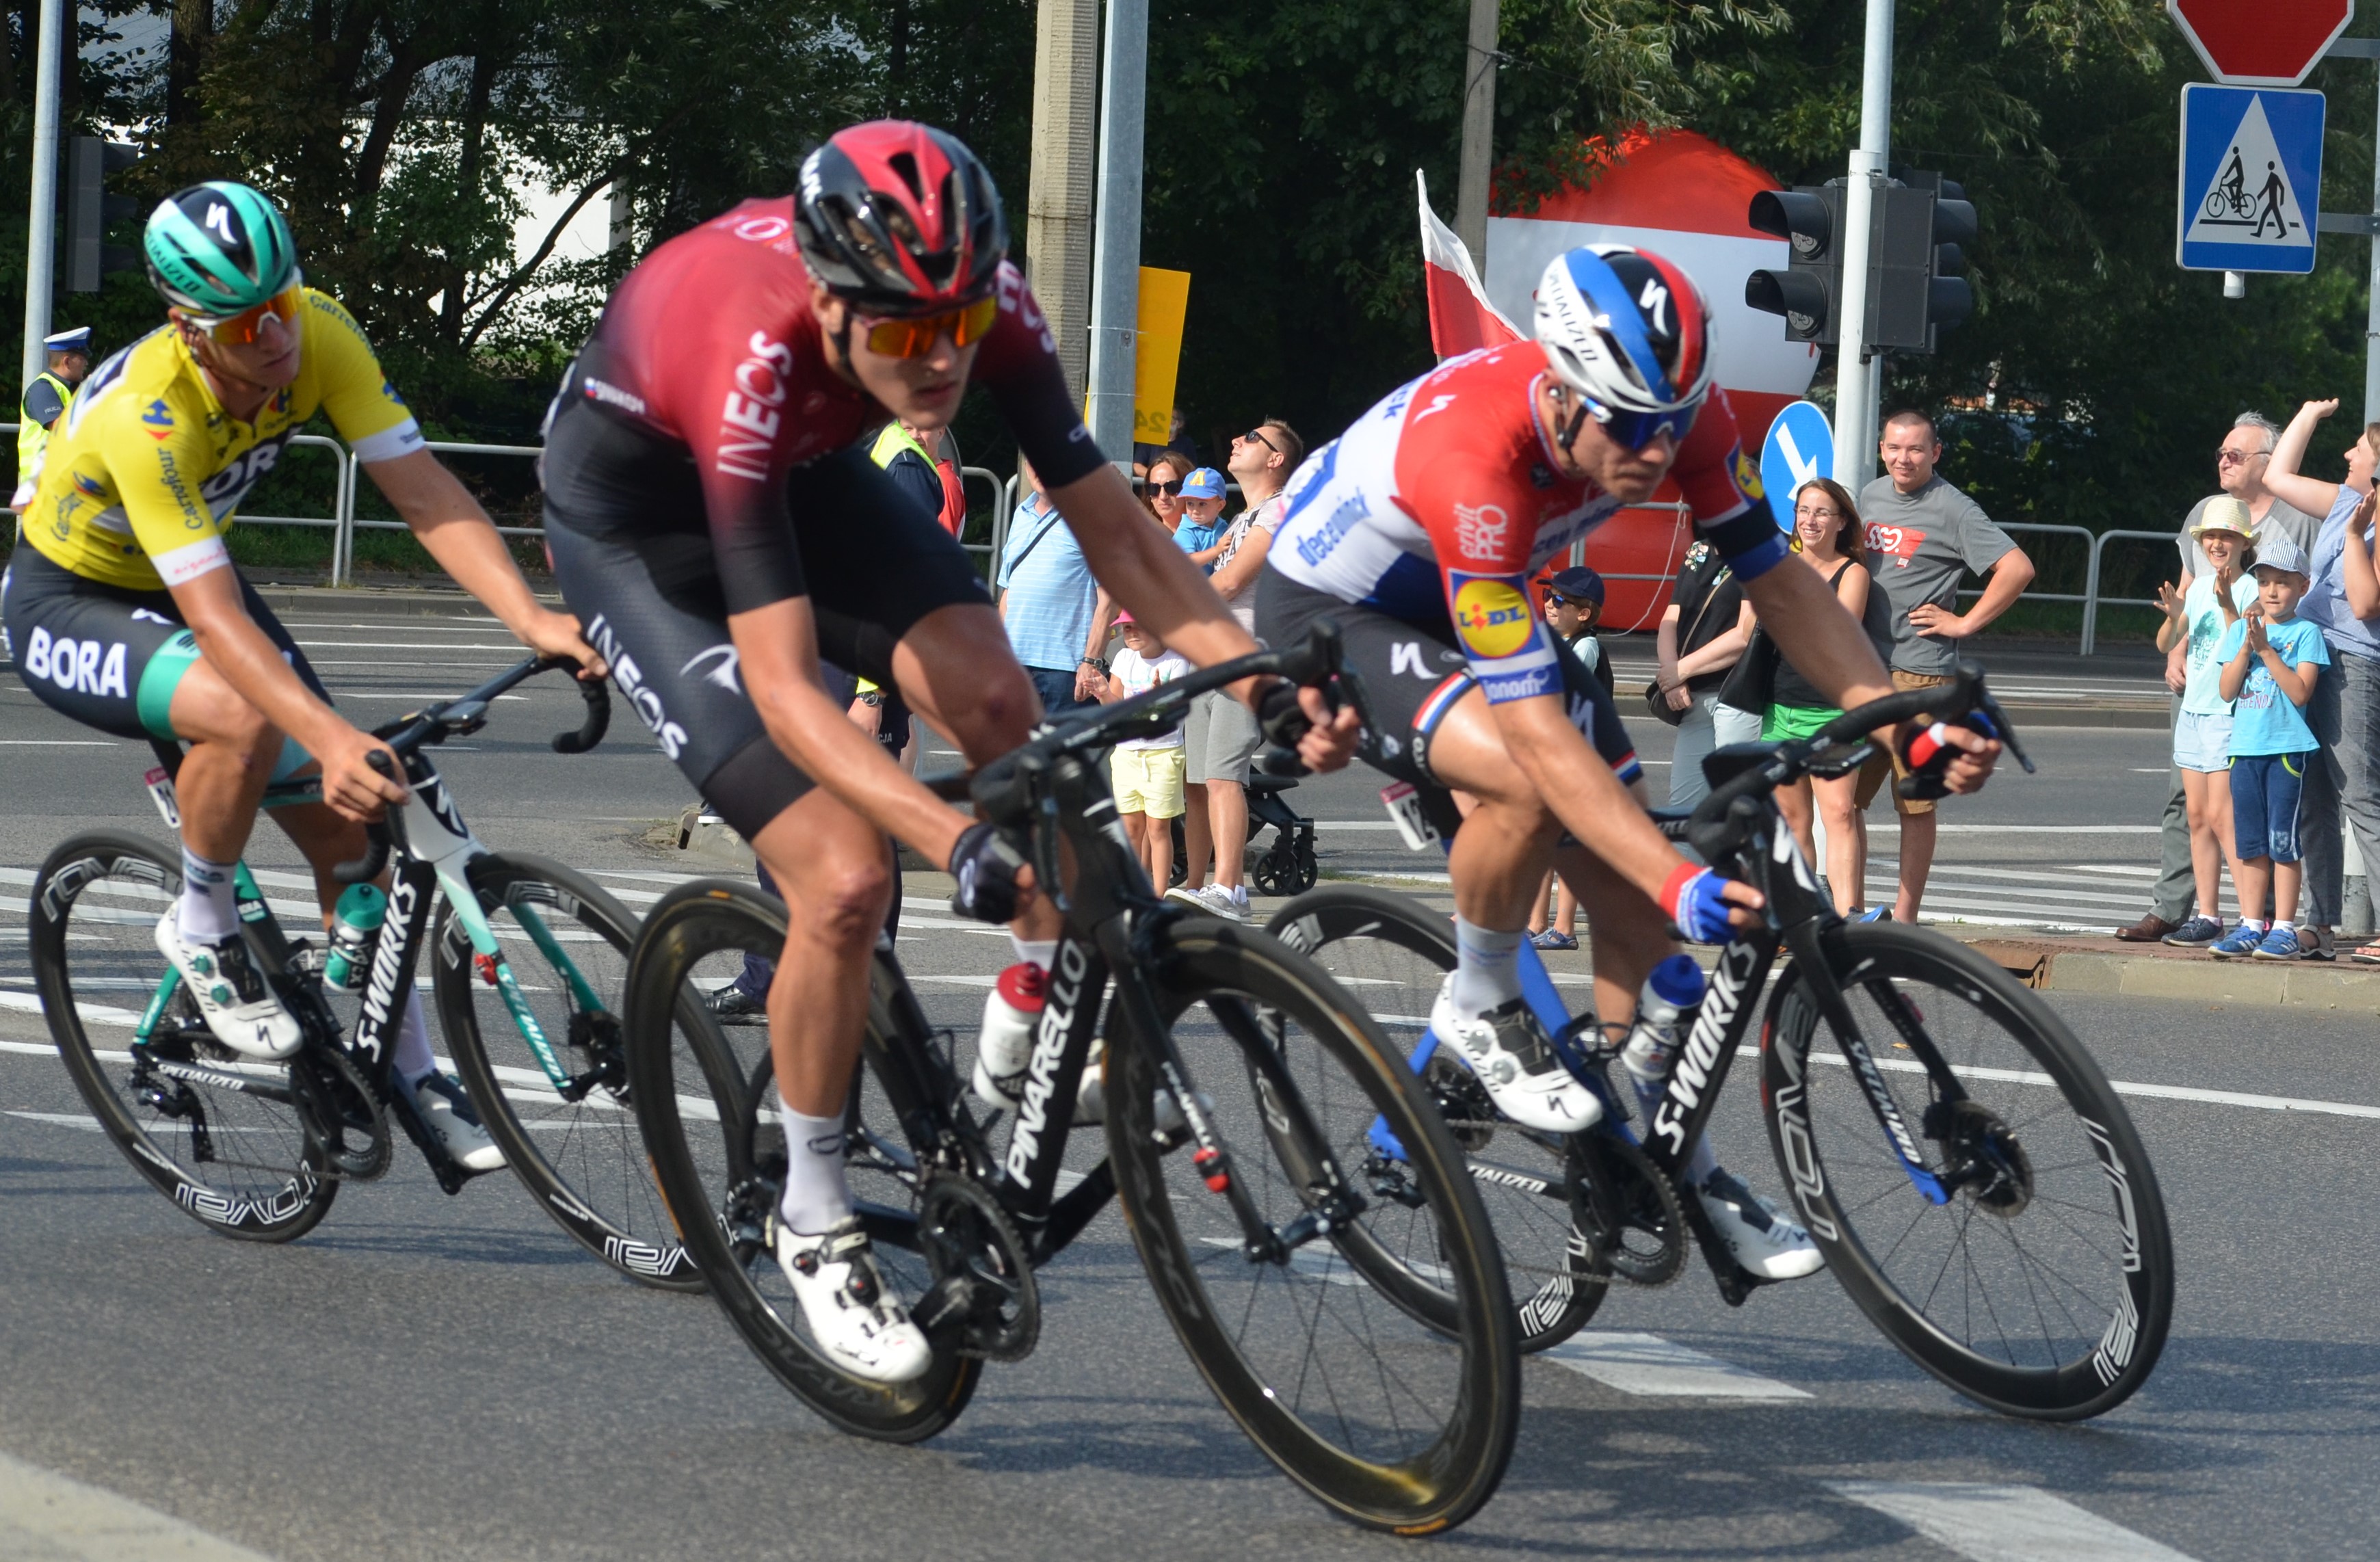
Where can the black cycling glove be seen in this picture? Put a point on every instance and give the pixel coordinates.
(1928, 757)
(986, 867)
(1285, 725)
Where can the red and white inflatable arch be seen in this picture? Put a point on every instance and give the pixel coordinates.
(1684, 197)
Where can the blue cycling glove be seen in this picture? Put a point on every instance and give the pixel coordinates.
(1692, 897)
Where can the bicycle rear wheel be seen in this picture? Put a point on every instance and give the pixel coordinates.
(2042, 1285)
(563, 958)
(1391, 955)
(707, 1106)
(1393, 1421)
(220, 1134)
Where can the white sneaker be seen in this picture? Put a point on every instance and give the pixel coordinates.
(1012, 1012)
(855, 1318)
(1229, 904)
(231, 993)
(1514, 1059)
(1757, 1231)
(447, 1112)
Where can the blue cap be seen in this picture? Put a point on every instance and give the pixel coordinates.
(77, 340)
(1579, 584)
(1204, 483)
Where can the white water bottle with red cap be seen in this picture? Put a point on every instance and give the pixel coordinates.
(1012, 1012)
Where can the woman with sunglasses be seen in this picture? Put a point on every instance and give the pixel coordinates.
(127, 613)
(715, 519)
(1418, 532)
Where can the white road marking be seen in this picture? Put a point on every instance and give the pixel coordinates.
(46, 1515)
(57, 743)
(2122, 1087)
(64, 1120)
(1649, 1365)
(1993, 1523)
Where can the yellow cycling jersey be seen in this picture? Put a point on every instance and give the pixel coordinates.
(143, 473)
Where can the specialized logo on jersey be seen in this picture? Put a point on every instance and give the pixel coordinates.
(1493, 618)
(1479, 532)
(1748, 475)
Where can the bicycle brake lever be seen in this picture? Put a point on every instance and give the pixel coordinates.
(1991, 708)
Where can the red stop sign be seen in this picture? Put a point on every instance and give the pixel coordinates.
(2258, 43)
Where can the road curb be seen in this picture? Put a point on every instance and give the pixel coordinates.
(2304, 983)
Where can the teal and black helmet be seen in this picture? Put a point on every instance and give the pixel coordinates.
(218, 249)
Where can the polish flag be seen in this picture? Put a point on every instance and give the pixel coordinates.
(1461, 317)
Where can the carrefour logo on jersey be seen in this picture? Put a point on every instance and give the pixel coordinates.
(1492, 616)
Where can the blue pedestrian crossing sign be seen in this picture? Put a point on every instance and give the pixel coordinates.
(2250, 179)
(1800, 446)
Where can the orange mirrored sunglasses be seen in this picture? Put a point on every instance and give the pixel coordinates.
(247, 325)
(911, 336)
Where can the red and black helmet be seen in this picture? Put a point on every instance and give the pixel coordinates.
(900, 217)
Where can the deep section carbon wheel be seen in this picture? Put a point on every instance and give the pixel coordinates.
(219, 1133)
(548, 1002)
(1397, 1412)
(707, 1106)
(1391, 955)
(1998, 1220)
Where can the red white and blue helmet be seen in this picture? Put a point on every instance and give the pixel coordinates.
(1628, 331)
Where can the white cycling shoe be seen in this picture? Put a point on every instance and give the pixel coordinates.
(232, 994)
(855, 1319)
(447, 1112)
(1515, 1060)
(1757, 1231)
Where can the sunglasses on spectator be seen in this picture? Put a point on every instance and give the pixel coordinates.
(1257, 434)
(239, 330)
(1169, 489)
(2228, 458)
(1555, 599)
(913, 336)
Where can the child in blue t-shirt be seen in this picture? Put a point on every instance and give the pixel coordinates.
(2270, 659)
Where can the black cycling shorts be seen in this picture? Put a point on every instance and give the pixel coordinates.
(624, 526)
(110, 656)
(1413, 675)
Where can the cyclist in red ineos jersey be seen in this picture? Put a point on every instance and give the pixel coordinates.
(1418, 530)
(718, 525)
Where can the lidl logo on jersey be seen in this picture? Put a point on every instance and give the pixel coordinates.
(1492, 617)
(1748, 475)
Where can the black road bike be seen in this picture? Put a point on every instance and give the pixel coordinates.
(1240, 1086)
(1972, 1180)
(529, 960)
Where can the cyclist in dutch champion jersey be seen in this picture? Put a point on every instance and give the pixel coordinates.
(717, 524)
(1417, 531)
(126, 612)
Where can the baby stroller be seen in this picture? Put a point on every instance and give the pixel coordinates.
(1285, 868)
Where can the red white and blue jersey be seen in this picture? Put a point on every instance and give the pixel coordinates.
(1438, 504)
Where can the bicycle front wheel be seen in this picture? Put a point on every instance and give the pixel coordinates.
(706, 1105)
(1391, 955)
(2010, 1237)
(1393, 1421)
(219, 1133)
(535, 1032)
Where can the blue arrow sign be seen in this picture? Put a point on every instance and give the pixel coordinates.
(2250, 179)
(1800, 446)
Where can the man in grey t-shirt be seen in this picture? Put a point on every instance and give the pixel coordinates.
(1922, 536)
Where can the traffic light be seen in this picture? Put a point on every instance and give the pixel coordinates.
(90, 211)
(1923, 222)
(1809, 295)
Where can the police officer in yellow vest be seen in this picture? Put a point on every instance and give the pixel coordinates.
(46, 400)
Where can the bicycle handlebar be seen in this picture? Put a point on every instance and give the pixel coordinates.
(466, 713)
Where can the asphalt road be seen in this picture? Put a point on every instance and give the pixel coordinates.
(427, 1378)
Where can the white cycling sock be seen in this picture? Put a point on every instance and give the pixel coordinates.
(210, 910)
(815, 1197)
(412, 1058)
(1486, 968)
(1034, 951)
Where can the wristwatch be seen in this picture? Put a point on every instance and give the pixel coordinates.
(1099, 661)
(872, 697)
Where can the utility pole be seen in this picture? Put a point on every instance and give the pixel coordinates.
(40, 245)
(1856, 378)
(1063, 173)
(1115, 276)
(1479, 132)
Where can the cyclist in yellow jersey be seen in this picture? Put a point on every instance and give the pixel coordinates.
(125, 611)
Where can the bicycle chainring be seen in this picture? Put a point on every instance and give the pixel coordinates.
(1627, 1207)
(342, 1112)
(979, 1261)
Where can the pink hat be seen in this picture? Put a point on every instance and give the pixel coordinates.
(1124, 616)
